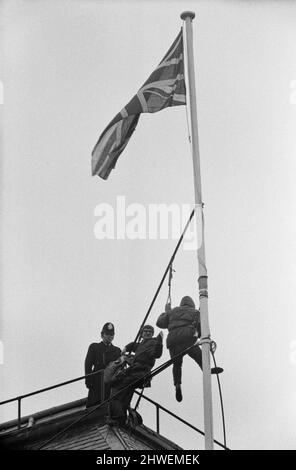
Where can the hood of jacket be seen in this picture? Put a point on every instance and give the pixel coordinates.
(187, 302)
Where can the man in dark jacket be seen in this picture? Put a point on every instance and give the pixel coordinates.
(183, 323)
(146, 352)
(99, 355)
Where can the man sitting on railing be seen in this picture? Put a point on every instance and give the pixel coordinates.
(146, 352)
(99, 355)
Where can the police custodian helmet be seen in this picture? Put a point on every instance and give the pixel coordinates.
(108, 329)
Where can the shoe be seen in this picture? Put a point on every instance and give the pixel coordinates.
(216, 370)
(134, 418)
(179, 396)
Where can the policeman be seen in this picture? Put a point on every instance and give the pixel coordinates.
(98, 356)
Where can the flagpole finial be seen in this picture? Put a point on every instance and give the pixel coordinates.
(185, 14)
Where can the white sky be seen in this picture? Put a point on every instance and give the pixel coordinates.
(69, 67)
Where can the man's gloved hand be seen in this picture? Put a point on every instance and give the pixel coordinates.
(160, 336)
(168, 307)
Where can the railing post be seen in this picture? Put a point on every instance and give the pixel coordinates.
(157, 419)
(19, 412)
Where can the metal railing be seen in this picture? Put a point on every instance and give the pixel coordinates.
(26, 395)
(158, 407)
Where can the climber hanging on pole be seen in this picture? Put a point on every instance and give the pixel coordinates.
(183, 324)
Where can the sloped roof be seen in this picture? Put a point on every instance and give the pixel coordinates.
(90, 433)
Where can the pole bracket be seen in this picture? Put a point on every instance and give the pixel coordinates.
(200, 204)
(203, 286)
(205, 340)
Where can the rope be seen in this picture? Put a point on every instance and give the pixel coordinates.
(186, 107)
(169, 300)
(164, 275)
(221, 400)
(189, 136)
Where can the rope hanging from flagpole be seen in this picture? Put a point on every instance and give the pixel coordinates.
(187, 120)
(186, 107)
(169, 299)
(164, 275)
(213, 350)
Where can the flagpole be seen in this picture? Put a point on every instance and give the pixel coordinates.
(188, 16)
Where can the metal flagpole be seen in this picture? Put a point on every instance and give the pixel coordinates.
(188, 16)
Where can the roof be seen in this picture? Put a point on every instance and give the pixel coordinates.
(89, 433)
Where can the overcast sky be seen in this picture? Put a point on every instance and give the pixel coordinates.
(68, 67)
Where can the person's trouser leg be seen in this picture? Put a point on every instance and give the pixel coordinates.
(115, 408)
(196, 354)
(95, 392)
(177, 365)
(119, 406)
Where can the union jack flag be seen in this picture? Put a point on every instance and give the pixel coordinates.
(165, 87)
